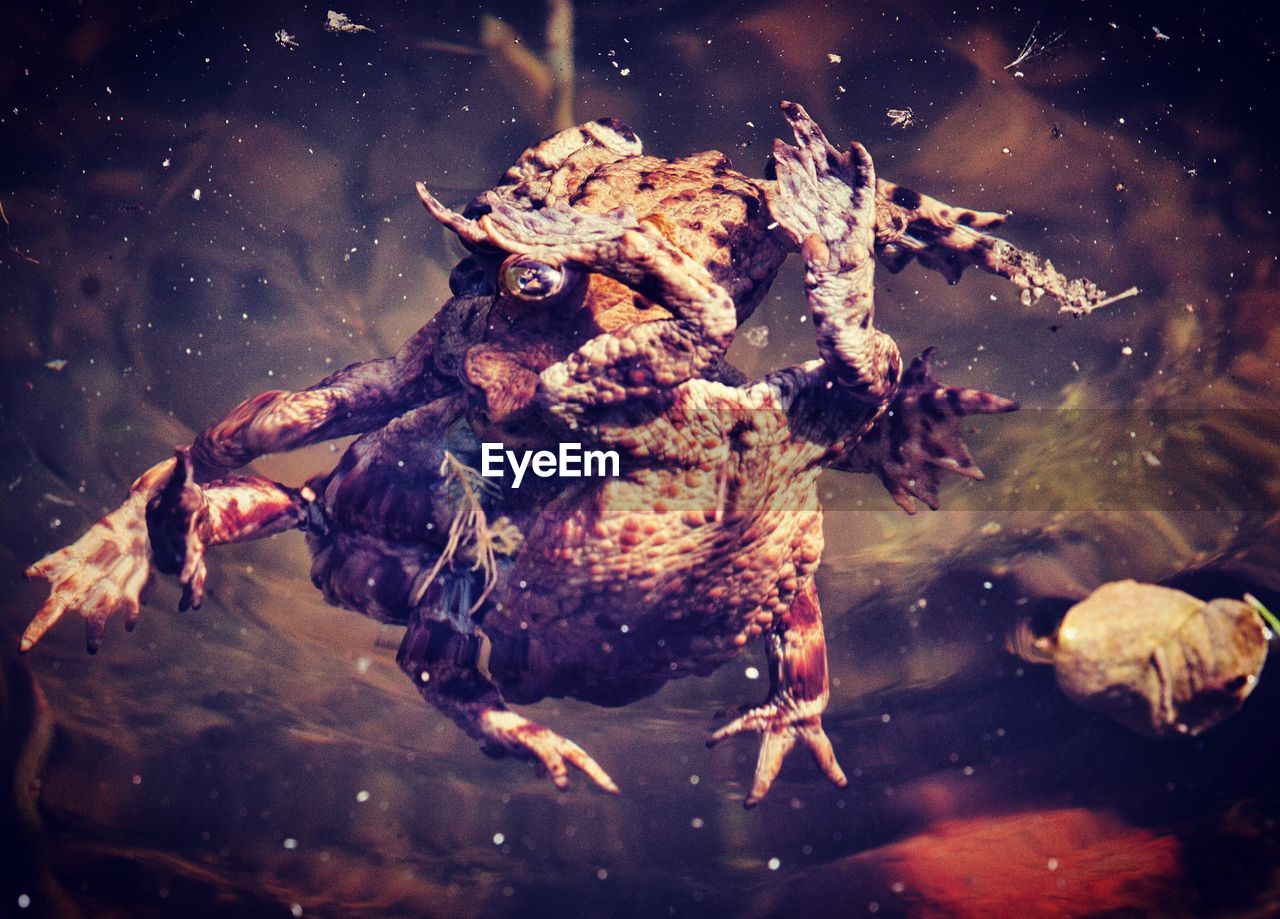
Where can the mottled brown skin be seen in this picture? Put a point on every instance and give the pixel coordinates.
(712, 535)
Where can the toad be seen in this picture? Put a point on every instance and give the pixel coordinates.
(573, 319)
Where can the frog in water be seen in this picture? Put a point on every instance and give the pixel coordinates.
(571, 320)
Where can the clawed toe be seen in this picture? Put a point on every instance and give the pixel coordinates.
(779, 732)
(511, 734)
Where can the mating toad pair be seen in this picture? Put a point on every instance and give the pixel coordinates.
(601, 293)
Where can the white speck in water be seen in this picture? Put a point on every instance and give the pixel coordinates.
(752, 673)
(499, 839)
(363, 664)
(987, 585)
(1126, 351)
(23, 901)
(362, 796)
(898, 887)
(775, 863)
(165, 164)
(1006, 151)
(694, 780)
(291, 843)
(1053, 864)
(296, 909)
(834, 58)
(602, 874)
(195, 195)
(885, 718)
(697, 823)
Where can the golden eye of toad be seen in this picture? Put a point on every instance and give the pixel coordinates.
(529, 279)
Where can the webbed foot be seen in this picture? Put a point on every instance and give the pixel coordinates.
(101, 575)
(780, 723)
(506, 733)
(918, 440)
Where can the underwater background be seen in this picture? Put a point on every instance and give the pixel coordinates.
(195, 212)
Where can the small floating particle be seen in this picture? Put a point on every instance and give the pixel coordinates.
(195, 195)
(834, 58)
(775, 863)
(56, 364)
(757, 336)
(1126, 351)
(1150, 458)
(285, 40)
(291, 843)
(362, 796)
(1160, 36)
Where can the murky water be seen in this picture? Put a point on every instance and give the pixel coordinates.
(197, 213)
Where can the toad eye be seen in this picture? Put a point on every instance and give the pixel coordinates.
(529, 279)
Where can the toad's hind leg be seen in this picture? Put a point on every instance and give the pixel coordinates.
(826, 202)
(798, 692)
(444, 665)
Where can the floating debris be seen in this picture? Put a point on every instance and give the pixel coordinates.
(757, 336)
(285, 40)
(56, 364)
(12, 248)
(341, 22)
(834, 58)
(1159, 661)
(1160, 36)
(1033, 47)
(902, 118)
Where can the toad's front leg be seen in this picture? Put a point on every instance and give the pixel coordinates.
(443, 664)
(798, 692)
